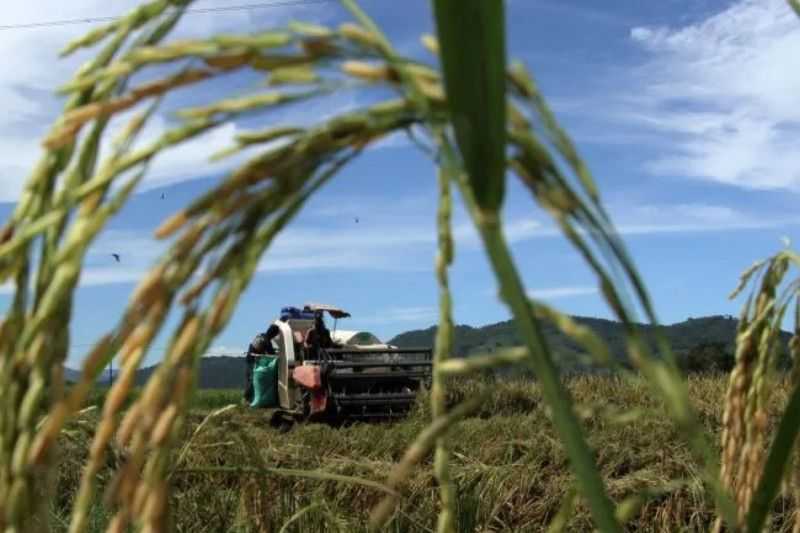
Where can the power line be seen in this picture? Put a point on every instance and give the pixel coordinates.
(194, 11)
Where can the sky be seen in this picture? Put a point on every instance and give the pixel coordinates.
(684, 110)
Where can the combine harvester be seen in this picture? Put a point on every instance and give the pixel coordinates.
(340, 375)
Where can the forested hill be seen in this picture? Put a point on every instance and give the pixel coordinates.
(682, 336)
(703, 338)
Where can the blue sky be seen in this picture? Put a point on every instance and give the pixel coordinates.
(685, 111)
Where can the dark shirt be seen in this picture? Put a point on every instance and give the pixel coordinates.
(272, 332)
(262, 343)
(321, 338)
(318, 339)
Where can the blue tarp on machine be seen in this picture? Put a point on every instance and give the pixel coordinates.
(294, 312)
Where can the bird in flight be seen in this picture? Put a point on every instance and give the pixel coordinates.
(116, 256)
(356, 220)
(163, 195)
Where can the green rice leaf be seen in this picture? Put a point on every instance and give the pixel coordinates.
(472, 39)
(795, 5)
(541, 361)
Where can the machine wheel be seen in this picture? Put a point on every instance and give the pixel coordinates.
(281, 420)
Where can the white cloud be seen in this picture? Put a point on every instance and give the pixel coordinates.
(398, 139)
(390, 243)
(357, 259)
(554, 293)
(371, 208)
(660, 218)
(516, 229)
(223, 349)
(641, 34)
(190, 160)
(692, 217)
(723, 94)
(654, 219)
(134, 246)
(389, 238)
(567, 10)
(522, 228)
(387, 245)
(138, 253)
(32, 71)
(403, 314)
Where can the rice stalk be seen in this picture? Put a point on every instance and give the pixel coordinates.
(443, 347)
(222, 236)
(541, 361)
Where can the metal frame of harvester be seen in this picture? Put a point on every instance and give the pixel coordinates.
(345, 382)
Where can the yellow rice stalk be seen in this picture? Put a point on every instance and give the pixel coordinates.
(227, 230)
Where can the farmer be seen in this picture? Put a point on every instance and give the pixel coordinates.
(261, 345)
(318, 337)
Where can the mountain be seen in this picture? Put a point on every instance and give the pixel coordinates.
(216, 372)
(72, 376)
(682, 337)
(225, 372)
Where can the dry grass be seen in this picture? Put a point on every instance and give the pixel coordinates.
(509, 471)
(482, 118)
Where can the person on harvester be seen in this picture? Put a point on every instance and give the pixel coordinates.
(261, 345)
(318, 337)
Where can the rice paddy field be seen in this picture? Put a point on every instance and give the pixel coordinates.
(164, 459)
(509, 469)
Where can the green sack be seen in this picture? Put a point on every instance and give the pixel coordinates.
(265, 382)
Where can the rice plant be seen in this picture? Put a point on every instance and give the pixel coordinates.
(487, 121)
